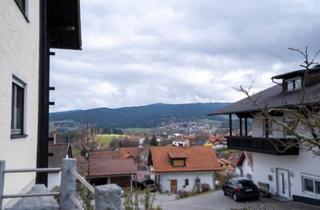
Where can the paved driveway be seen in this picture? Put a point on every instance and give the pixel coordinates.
(217, 201)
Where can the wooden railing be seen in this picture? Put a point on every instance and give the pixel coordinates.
(274, 146)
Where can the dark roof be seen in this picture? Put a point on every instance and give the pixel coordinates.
(64, 24)
(292, 74)
(272, 97)
(59, 152)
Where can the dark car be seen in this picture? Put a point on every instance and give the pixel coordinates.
(241, 188)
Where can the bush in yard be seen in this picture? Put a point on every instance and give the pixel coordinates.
(205, 187)
(183, 194)
(132, 200)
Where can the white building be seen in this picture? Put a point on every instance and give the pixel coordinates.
(24, 81)
(183, 168)
(294, 173)
(19, 88)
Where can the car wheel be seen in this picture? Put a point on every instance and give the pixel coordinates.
(225, 193)
(235, 197)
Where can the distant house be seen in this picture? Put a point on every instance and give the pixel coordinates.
(183, 168)
(57, 153)
(115, 171)
(245, 165)
(218, 141)
(119, 166)
(138, 154)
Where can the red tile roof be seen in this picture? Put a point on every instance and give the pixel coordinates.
(125, 152)
(104, 168)
(177, 154)
(104, 154)
(199, 158)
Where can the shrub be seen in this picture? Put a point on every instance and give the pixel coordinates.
(205, 187)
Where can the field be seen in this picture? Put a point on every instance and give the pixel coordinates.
(104, 139)
(136, 130)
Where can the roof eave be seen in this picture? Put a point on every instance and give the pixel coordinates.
(64, 24)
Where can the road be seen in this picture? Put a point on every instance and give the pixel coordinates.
(217, 201)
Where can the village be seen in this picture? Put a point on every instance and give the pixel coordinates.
(159, 105)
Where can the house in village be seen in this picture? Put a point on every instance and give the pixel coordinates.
(115, 171)
(121, 166)
(294, 173)
(29, 29)
(183, 168)
(57, 152)
(241, 161)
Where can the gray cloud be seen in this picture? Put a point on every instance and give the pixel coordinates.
(140, 52)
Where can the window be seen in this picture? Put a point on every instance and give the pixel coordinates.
(294, 84)
(186, 182)
(290, 121)
(311, 185)
(308, 185)
(23, 6)
(317, 185)
(178, 162)
(17, 107)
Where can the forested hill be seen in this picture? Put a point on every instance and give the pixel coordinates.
(141, 116)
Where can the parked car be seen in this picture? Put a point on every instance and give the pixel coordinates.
(241, 188)
(149, 183)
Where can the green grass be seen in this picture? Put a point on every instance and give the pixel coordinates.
(137, 130)
(104, 139)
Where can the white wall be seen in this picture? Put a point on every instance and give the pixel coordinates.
(257, 127)
(247, 168)
(53, 180)
(304, 163)
(205, 177)
(265, 165)
(19, 55)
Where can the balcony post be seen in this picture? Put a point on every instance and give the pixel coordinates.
(240, 125)
(68, 184)
(2, 168)
(246, 126)
(230, 124)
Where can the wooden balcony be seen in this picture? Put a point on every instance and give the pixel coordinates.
(262, 145)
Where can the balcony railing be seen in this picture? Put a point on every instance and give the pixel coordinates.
(105, 196)
(274, 146)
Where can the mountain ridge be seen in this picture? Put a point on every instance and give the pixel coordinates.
(146, 116)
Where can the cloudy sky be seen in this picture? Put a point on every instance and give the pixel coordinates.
(180, 51)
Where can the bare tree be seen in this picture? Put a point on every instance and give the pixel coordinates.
(304, 122)
(86, 144)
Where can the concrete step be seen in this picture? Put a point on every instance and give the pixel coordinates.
(36, 203)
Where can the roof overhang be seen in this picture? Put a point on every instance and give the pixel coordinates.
(64, 24)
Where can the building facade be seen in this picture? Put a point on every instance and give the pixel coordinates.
(29, 29)
(291, 172)
(19, 88)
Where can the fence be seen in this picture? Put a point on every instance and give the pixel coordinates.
(105, 196)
